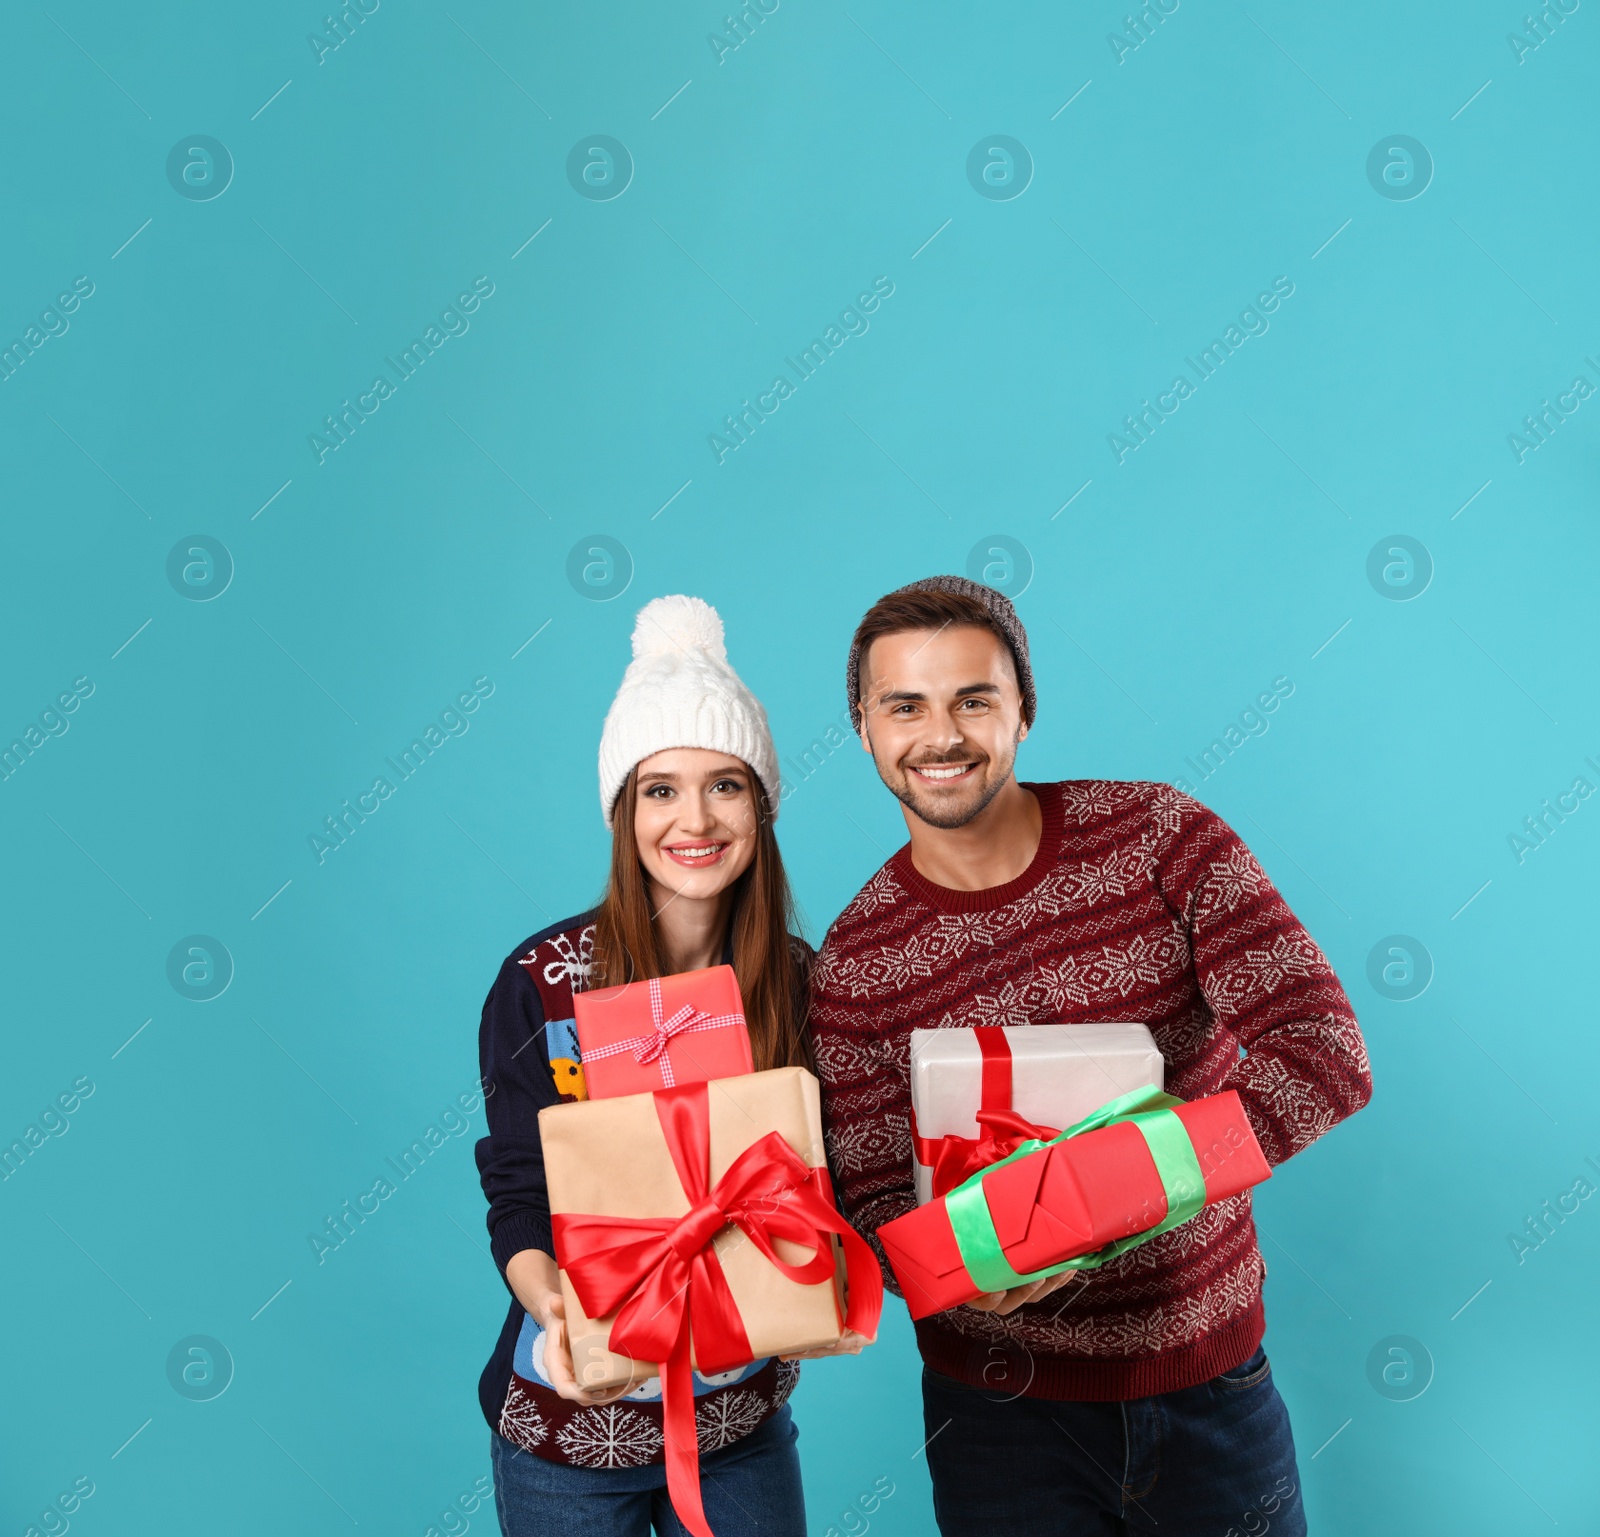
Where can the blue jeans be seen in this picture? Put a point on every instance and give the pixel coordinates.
(751, 1486)
(1215, 1460)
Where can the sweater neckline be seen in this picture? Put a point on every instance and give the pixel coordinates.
(948, 900)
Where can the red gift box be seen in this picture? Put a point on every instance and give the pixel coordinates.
(644, 1036)
(1071, 1199)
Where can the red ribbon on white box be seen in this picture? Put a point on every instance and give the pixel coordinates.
(1001, 1131)
(648, 1048)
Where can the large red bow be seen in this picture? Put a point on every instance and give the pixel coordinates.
(662, 1278)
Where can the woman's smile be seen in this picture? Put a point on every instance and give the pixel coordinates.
(695, 856)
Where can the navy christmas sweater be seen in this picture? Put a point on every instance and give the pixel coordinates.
(529, 1058)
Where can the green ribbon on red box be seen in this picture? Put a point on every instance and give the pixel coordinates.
(1148, 1109)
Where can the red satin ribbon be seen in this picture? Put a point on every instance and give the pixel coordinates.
(662, 1278)
(1001, 1131)
(995, 1090)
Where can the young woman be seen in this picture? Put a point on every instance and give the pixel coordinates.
(689, 788)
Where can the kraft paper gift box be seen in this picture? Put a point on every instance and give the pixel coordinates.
(695, 1229)
(1049, 1076)
(1137, 1167)
(610, 1158)
(688, 1028)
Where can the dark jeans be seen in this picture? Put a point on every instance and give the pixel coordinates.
(1215, 1460)
(751, 1486)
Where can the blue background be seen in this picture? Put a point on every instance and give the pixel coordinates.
(1162, 592)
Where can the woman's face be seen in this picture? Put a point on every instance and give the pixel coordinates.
(694, 820)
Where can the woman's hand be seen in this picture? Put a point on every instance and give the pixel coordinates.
(536, 1283)
(1001, 1303)
(850, 1343)
(558, 1361)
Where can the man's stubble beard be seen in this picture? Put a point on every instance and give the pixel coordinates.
(955, 817)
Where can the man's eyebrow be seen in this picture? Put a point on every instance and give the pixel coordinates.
(898, 695)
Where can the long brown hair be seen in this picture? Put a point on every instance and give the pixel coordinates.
(767, 963)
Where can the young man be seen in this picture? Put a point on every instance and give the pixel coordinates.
(1134, 1397)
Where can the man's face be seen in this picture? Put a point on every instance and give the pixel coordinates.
(942, 716)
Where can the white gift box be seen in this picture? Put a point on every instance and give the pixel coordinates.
(1059, 1074)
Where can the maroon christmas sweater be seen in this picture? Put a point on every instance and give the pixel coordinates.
(1140, 905)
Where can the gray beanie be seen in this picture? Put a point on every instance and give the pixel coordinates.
(1000, 610)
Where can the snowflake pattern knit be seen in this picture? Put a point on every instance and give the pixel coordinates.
(1140, 905)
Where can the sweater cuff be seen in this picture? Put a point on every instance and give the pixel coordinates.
(519, 1230)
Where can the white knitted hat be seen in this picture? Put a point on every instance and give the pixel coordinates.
(679, 691)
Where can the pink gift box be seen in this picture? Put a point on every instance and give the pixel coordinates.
(659, 1033)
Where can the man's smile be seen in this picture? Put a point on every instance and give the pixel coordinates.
(941, 773)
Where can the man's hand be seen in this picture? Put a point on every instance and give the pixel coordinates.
(536, 1282)
(1009, 1301)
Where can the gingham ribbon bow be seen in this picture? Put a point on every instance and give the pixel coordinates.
(649, 1048)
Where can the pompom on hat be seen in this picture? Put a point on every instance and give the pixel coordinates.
(679, 691)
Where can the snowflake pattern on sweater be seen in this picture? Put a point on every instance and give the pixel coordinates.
(1141, 905)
